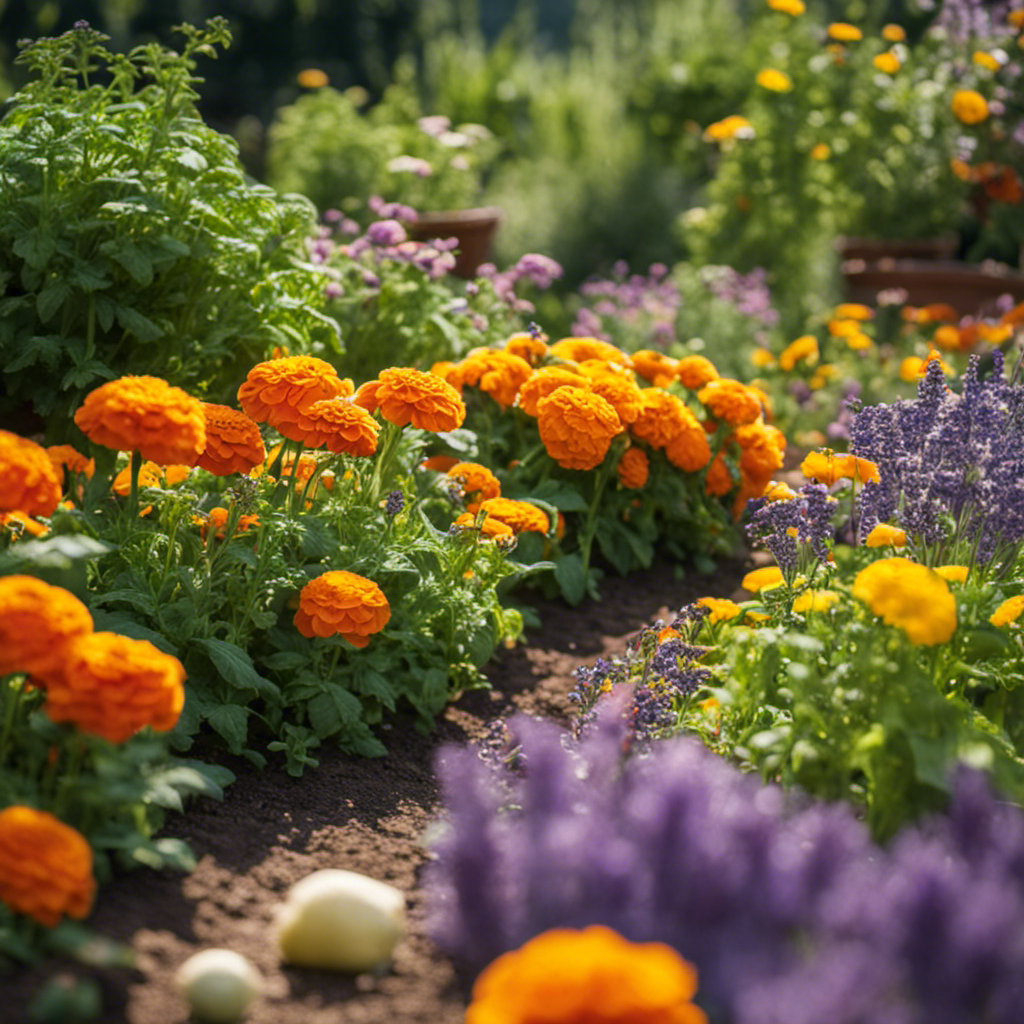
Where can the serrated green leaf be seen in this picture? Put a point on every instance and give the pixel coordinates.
(564, 497)
(51, 297)
(44, 348)
(332, 709)
(374, 684)
(135, 323)
(570, 578)
(35, 247)
(138, 265)
(86, 373)
(235, 666)
(231, 723)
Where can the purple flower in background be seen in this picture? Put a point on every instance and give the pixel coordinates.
(435, 124)
(789, 528)
(386, 233)
(410, 165)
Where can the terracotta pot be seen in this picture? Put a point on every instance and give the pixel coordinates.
(474, 228)
(941, 247)
(967, 287)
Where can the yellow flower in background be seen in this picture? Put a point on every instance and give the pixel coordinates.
(821, 151)
(844, 32)
(911, 597)
(762, 358)
(855, 467)
(989, 61)
(735, 126)
(853, 311)
(933, 355)
(911, 368)
(774, 80)
(969, 106)
(843, 327)
(822, 466)
(793, 7)
(888, 63)
(816, 601)
(1016, 17)
(892, 33)
(760, 579)
(822, 375)
(721, 608)
(804, 349)
(779, 491)
(1009, 611)
(858, 341)
(312, 78)
(883, 535)
(953, 573)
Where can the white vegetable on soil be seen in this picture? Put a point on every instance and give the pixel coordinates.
(340, 920)
(219, 984)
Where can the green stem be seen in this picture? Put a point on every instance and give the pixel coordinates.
(133, 496)
(12, 701)
(385, 456)
(587, 534)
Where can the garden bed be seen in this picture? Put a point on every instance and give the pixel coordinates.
(366, 815)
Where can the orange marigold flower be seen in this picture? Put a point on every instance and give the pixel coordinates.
(497, 372)
(823, 467)
(596, 974)
(969, 106)
(953, 573)
(856, 468)
(339, 425)
(730, 400)
(663, 415)
(20, 523)
(150, 475)
(428, 402)
(63, 456)
(719, 481)
(343, 603)
(521, 516)
(278, 391)
(761, 579)
(579, 349)
(911, 368)
(312, 78)
(688, 449)
(779, 491)
(655, 367)
(621, 393)
(792, 7)
(853, 311)
(882, 535)
(722, 609)
(888, 63)
(439, 463)
(762, 448)
(1014, 317)
(774, 80)
(544, 381)
(893, 33)
(217, 519)
(844, 32)
(804, 349)
(174, 475)
(816, 600)
(489, 528)
(477, 482)
(233, 441)
(45, 866)
(145, 415)
(37, 622)
(696, 371)
(1003, 185)
(633, 468)
(732, 127)
(577, 427)
(527, 347)
(28, 481)
(113, 686)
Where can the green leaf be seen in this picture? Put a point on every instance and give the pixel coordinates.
(135, 323)
(120, 622)
(332, 709)
(88, 277)
(235, 666)
(35, 247)
(570, 577)
(564, 497)
(374, 684)
(86, 373)
(44, 348)
(284, 661)
(134, 260)
(51, 297)
(231, 723)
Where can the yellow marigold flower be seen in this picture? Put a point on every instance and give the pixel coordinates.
(858, 341)
(910, 596)
(149, 476)
(527, 347)
(893, 33)
(633, 468)
(855, 467)
(722, 609)
(63, 456)
(822, 375)
(804, 349)
(758, 579)
(343, 603)
(544, 381)
(497, 372)
(28, 481)
(822, 466)
(774, 80)
(779, 491)
(888, 63)
(45, 866)
(844, 32)
(1009, 611)
(663, 415)
(816, 601)
(339, 425)
(953, 573)
(793, 7)
(37, 622)
(113, 686)
(988, 61)
(969, 106)
(233, 441)
(490, 528)
(844, 327)
(820, 151)
(425, 400)
(145, 415)
(477, 483)
(696, 371)
(622, 395)
(278, 391)
(312, 78)
(655, 367)
(579, 349)
(735, 126)
(911, 368)
(521, 516)
(577, 427)
(573, 977)
(853, 311)
(882, 535)
(731, 401)
(762, 357)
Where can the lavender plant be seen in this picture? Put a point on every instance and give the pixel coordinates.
(785, 906)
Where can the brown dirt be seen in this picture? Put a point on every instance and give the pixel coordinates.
(353, 813)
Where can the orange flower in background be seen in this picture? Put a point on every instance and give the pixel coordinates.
(277, 391)
(1002, 184)
(497, 372)
(882, 535)
(761, 358)
(520, 516)
(174, 475)
(844, 32)
(577, 427)
(527, 347)
(439, 463)
(544, 381)
(843, 328)
(779, 491)
(858, 469)
(312, 78)
(343, 603)
(1014, 317)
(37, 622)
(791, 7)
(774, 80)
(339, 425)
(823, 467)
(696, 371)
(478, 483)
(760, 579)
(719, 481)
(893, 33)
(969, 106)
(28, 481)
(803, 349)
(688, 449)
(888, 63)
(366, 394)
(63, 456)
(233, 441)
(633, 468)
(820, 151)
(580, 349)
(425, 400)
(621, 393)
(731, 401)
(20, 523)
(1009, 611)
(489, 528)
(45, 866)
(113, 686)
(655, 367)
(853, 311)
(145, 415)
(762, 448)
(217, 520)
(150, 475)
(593, 976)
(721, 608)
(911, 368)
(732, 127)
(663, 415)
